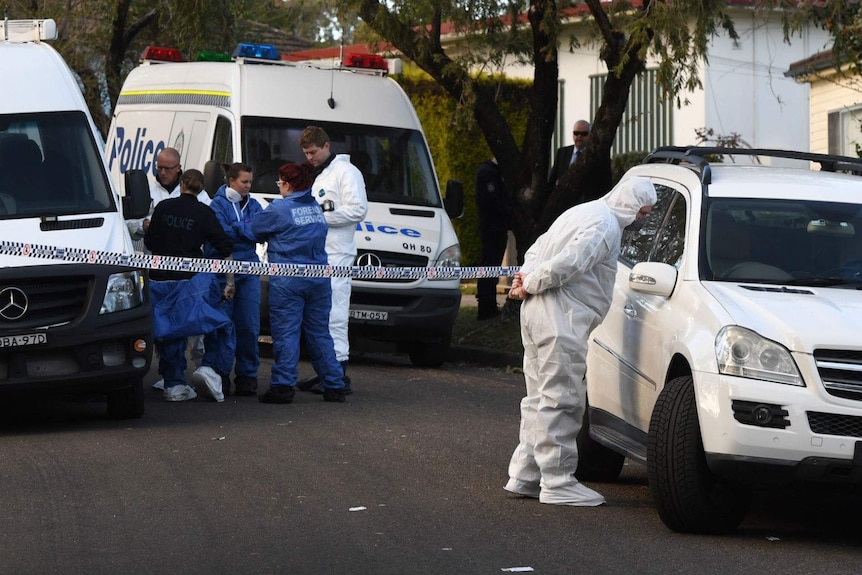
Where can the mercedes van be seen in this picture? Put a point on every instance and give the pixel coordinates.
(251, 107)
(76, 324)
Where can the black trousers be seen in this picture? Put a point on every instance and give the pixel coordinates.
(493, 249)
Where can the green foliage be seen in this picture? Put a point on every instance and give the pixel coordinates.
(457, 145)
(621, 163)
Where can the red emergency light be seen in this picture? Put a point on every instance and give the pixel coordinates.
(161, 54)
(367, 61)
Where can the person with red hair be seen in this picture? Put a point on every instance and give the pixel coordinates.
(295, 231)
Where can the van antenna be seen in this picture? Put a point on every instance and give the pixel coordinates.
(331, 100)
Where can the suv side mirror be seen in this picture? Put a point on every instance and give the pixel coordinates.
(654, 278)
(136, 202)
(454, 200)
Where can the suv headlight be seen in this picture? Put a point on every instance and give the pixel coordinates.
(743, 353)
(125, 291)
(448, 258)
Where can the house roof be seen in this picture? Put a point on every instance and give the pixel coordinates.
(814, 63)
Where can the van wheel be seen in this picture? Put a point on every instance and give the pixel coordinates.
(127, 403)
(429, 354)
(688, 497)
(595, 461)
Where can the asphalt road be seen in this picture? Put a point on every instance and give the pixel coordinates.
(405, 478)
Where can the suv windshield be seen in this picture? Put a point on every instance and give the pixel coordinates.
(394, 162)
(51, 166)
(782, 241)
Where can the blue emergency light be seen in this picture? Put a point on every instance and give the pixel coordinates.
(259, 51)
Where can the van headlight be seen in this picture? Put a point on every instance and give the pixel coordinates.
(448, 258)
(125, 291)
(743, 353)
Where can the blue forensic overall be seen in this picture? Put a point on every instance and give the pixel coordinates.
(184, 303)
(244, 309)
(295, 230)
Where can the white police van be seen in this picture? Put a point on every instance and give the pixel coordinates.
(251, 107)
(65, 325)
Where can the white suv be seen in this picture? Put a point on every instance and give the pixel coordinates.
(732, 353)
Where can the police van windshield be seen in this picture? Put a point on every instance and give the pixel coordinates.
(50, 165)
(394, 162)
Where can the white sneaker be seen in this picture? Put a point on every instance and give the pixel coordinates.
(575, 494)
(160, 385)
(179, 393)
(522, 488)
(207, 377)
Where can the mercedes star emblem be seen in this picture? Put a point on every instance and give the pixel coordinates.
(369, 259)
(13, 303)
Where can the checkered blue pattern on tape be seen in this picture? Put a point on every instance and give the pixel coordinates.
(144, 261)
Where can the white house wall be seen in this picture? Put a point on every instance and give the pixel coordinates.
(744, 87)
(746, 91)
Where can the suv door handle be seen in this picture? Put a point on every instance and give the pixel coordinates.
(629, 310)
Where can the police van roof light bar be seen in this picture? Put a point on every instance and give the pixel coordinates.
(256, 51)
(28, 30)
(161, 54)
(365, 61)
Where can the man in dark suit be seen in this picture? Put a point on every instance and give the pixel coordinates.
(567, 155)
(495, 220)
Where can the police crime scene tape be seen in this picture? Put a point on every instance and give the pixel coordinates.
(171, 263)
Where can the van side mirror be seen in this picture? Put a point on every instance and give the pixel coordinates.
(136, 202)
(454, 200)
(213, 177)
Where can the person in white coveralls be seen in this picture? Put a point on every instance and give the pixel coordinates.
(339, 188)
(566, 283)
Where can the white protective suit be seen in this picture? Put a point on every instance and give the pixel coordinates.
(569, 272)
(342, 183)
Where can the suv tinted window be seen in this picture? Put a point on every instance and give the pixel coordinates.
(638, 244)
(670, 243)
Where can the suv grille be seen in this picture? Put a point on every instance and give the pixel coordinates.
(390, 260)
(834, 424)
(841, 372)
(51, 302)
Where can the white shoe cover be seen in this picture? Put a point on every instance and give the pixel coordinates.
(207, 377)
(160, 385)
(575, 494)
(179, 393)
(522, 488)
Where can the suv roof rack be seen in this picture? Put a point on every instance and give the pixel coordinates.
(697, 156)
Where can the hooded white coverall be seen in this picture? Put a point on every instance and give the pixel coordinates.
(341, 182)
(569, 273)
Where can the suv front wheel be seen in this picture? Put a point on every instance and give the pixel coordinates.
(688, 497)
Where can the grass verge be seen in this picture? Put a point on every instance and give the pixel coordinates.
(501, 333)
